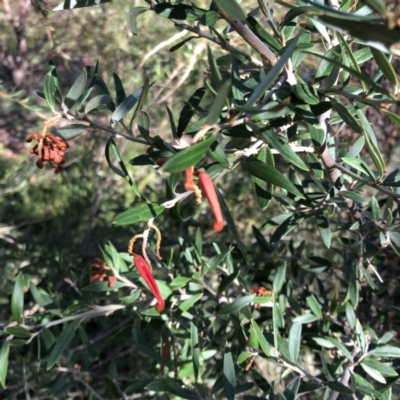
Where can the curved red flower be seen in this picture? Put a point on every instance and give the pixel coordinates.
(208, 188)
(144, 270)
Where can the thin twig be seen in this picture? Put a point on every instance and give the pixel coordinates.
(366, 181)
(161, 45)
(102, 127)
(216, 40)
(251, 39)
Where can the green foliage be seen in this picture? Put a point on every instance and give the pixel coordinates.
(293, 291)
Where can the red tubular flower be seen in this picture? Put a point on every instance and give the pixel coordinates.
(189, 184)
(164, 354)
(208, 188)
(144, 270)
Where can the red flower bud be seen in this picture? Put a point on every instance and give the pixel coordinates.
(208, 188)
(164, 354)
(144, 270)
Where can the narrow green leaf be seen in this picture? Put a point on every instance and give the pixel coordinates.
(384, 369)
(269, 174)
(97, 101)
(141, 213)
(48, 338)
(142, 100)
(261, 338)
(286, 227)
(179, 11)
(394, 117)
(340, 388)
(292, 388)
(303, 43)
(49, 90)
(70, 131)
(236, 305)
(306, 93)
(62, 342)
(353, 196)
(357, 147)
(372, 144)
(216, 77)
(345, 115)
(307, 318)
(17, 300)
(227, 281)
(18, 331)
(189, 110)
(126, 105)
(232, 8)
(143, 124)
(376, 5)
(237, 87)
(119, 89)
(352, 71)
(341, 347)
(374, 33)
(373, 373)
(351, 316)
(324, 229)
(172, 123)
(186, 304)
(315, 307)
(188, 157)
(75, 92)
(231, 224)
(173, 386)
(147, 351)
(194, 338)
(132, 15)
(123, 172)
(280, 278)
(243, 356)
(273, 72)
(385, 66)
(264, 190)
(42, 300)
(375, 209)
(263, 35)
(317, 134)
(359, 165)
(385, 351)
(229, 375)
(284, 149)
(219, 103)
(218, 154)
(4, 352)
(92, 71)
(68, 4)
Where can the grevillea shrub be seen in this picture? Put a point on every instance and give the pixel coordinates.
(284, 283)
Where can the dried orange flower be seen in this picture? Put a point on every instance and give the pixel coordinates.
(98, 273)
(49, 148)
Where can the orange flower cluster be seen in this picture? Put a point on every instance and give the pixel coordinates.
(260, 291)
(50, 148)
(98, 273)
